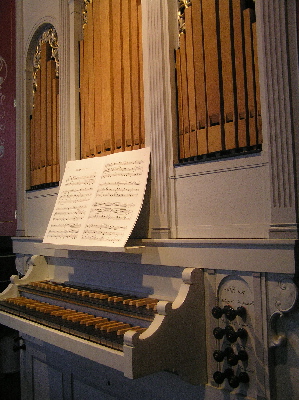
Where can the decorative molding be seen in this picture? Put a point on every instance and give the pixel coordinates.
(49, 35)
(282, 293)
(182, 5)
(219, 170)
(85, 12)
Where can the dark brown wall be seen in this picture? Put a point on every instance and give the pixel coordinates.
(7, 119)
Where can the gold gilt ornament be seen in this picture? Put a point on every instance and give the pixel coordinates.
(48, 36)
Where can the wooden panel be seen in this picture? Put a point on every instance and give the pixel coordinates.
(209, 12)
(248, 19)
(199, 73)
(117, 77)
(190, 82)
(239, 65)
(227, 74)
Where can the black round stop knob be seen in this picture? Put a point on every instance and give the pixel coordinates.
(233, 358)
(217, 312)
(233, 335)
(219, 332)
(243, 377)
(220, 355)
(242, 333)
(220, 376)
(234, 381)
(229, 312)
(243, 356)
(241, 311)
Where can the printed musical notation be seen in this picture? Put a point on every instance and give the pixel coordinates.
(99, 200)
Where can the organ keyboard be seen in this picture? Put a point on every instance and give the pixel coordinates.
(135, 334)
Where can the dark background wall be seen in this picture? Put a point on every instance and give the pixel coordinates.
(7, 119)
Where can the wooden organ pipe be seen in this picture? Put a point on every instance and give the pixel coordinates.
(184, 87)
(217, 79)
(140, 79)
(111, 87)
(199, 72)
(98, 98)
(239, 65)
(248, 16)
(190, 84)
(43, 112)
(106, 74)
(50, 112)
(257, 87)
(90, 98)
(229, 117)
(211, 47)
(37, 130)
(44, 131)
(127, 95)
(55, 127)
(117, 77)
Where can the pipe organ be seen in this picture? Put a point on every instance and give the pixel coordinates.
(201, 302)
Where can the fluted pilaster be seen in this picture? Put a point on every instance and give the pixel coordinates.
(277, 115)
(158, 119)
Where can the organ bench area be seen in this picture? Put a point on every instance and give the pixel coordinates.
(212, 333)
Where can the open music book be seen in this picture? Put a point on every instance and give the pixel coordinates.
(99, 200)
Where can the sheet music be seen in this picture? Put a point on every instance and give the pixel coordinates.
(99, 200)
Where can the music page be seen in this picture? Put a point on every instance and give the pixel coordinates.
(99, 200)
